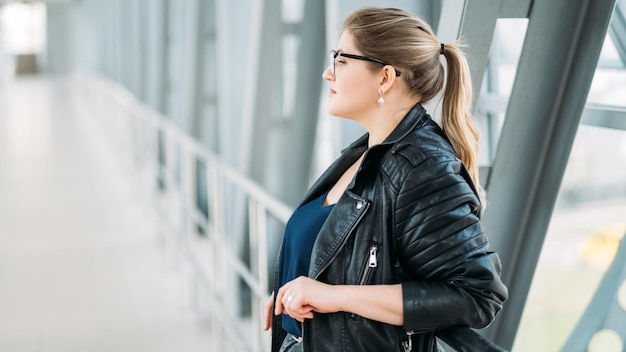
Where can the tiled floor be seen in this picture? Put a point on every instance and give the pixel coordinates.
(81, 265)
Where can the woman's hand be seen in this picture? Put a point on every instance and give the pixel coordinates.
(302, 296)
(269, 307)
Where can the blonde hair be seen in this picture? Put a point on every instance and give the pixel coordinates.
(408, 43)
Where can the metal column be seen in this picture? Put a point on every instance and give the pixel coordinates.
(280, 142)
(304, 116)
(562, 46)
(156, 45)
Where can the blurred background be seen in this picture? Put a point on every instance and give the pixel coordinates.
(152, 150)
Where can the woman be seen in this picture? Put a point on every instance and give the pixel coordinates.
(386, 251)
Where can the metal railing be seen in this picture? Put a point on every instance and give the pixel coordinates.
(217, 223)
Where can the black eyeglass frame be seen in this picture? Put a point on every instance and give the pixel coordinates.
(335, 53)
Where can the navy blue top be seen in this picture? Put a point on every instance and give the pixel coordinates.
(300, 234)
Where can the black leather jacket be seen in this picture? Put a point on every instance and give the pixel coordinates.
(413, 210)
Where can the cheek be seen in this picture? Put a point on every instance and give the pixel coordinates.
(357, 89)
(352, 99)
(362, 92)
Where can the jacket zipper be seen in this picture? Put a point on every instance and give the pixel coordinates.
(408, 343)
(372, 262)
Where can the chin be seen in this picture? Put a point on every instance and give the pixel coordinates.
(342, 112)
(335, 110)
(331, 110)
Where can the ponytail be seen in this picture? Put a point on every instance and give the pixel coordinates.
(456, 117)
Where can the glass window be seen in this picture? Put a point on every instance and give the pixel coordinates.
(587, 224)
(609, 82)
(506, 49)
(23, 28)
(582, 238)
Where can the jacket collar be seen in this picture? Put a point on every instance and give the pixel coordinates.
(414, 119)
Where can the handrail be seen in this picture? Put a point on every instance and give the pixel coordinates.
(162, 151)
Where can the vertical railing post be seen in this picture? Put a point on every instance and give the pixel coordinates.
(217, 219)
(258, 232)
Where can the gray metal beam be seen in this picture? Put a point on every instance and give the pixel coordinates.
(135, 48)
(275, 121)
(156, 44)
(117, 40)
(593, 115)
(515, 8)
(474, 22)
(262, 101)
(60, 23)
(125, 54)
(301, 139)
(561, 50)
(605, 116)
(180, 60)
(432, 12)
(617, 30)
(204, 124)
(604, 311)
(189, 70)
(477, 27)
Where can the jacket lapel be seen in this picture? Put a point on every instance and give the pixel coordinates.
(342, 220)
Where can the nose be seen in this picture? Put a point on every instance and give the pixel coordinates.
(327, 75)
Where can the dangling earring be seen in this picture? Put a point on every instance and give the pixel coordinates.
(381, 100)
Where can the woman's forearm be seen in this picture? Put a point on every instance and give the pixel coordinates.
(376, 302)
(302, 296)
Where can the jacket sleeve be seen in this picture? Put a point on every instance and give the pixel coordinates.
(453, 278)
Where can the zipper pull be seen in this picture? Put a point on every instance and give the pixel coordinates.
(408, 343)
(373, 262)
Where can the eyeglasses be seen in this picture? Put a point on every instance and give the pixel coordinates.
(335, 53)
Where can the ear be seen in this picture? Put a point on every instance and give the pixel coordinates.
(387, 78)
